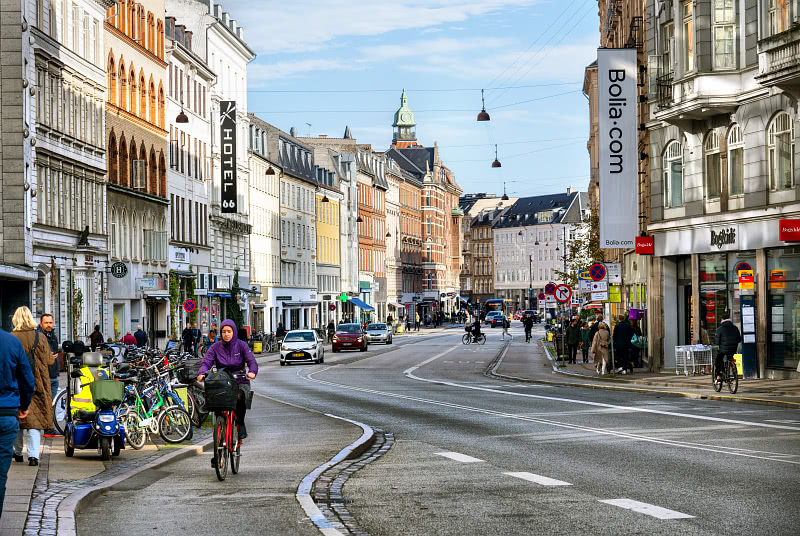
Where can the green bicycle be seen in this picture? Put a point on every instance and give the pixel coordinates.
(155, 417)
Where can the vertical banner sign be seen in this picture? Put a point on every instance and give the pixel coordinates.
(619, 210)
(227, 126)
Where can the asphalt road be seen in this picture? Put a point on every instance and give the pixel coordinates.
(473, 455)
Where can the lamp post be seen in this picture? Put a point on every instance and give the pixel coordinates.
(530, 282)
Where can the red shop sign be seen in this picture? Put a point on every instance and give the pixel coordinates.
(711, 305)
(789, 230)
(644, 245)
(711, 317)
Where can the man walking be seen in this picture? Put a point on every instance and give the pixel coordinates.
(416, 326)
(141, 336)
(196, 334)
(623, 333)
(46, 328)
(16, 393)
(573, 337)
(187, 336)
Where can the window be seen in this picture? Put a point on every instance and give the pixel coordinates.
(780, 152)
(673, 175)
(735, 161)
(712, 172)
(688, 36)
(778, 16)
(724, 35)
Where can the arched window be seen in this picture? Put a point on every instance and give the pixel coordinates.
(123, 90)
(142, 96)
(735, 160)
(153, 173)
(133, 155)
(123, 242)
(131, 20)
(112, 79)
(780, 152)
(152, 96)
(162, 174)
(124, 166)
(121, 18)
(132, 91)
(143, 158)
(713, 173)
(135, 244)
(112, 159)
(161, 110)
(161, 39)
(673, 175)
(114, 231)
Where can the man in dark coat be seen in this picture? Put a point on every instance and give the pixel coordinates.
(96, 338)
(141, 336)
(727, 338)
(573, 337)
(623, 333)
(187, 336)
(46, 328)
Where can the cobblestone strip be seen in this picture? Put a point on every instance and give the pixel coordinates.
(328, 489)
(48, 493)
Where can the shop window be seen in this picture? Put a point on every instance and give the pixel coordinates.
(780, 152)
(735, 161)
(783, 301)
(673, 175)
(713, 174)
(713, 295)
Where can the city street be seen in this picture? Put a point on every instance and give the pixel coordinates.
(474, 455)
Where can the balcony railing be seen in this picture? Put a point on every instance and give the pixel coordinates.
(636, 34)
(779, 60)
(664, 89)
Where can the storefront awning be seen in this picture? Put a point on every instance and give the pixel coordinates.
(361, 304)
(219, 294)
(184, 273)
(396, 305)
(300, 304)
(156, 296)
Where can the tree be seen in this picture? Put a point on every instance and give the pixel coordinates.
(232, 307)
(595, 251)
(578, 256)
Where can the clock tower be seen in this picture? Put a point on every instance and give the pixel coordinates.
(405, 134)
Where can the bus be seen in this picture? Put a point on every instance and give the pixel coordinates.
(496, 304)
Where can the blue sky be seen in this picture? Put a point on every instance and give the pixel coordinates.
(452, 47)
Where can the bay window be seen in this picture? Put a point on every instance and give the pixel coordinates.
(780, 152)
(777, 16)
(713, 174)
(735, 161)
(724, 35)
(688, 36)
(673, 175)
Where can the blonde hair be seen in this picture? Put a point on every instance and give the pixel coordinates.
(23, 319)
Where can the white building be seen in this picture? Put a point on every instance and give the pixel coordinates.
(188, 173)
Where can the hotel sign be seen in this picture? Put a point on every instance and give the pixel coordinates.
(227, 125)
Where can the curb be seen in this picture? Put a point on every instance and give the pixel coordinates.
(75, 502)
(495, 363)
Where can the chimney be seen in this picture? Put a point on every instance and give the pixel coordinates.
(170, 27)
(240, 33)
(188, 39)
(570, 190)
(293, 132)
(218, 11)
(226, 18)
(323, 135)
(179, 29)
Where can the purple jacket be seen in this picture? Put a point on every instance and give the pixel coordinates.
(229, 355)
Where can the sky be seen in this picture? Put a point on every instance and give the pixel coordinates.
(324, 64)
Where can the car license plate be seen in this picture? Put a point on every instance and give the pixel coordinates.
(347, 344)
(298, 354)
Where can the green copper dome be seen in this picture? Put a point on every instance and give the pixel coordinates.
(404, 117)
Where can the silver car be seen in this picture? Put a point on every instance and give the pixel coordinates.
(302, 345)
(379, 332)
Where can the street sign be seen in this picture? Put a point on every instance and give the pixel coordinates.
(577, 301)
(643, 245)
(746, 280)
(541, 295)
(585, 274)
(563, 293)
(331, 307)
(585, 286)
(550, 288)
(777, 278)
(119, 270)
(599, 286)
(615, 294)
(597, 272)
(614, 272)
(599, 296)
(550, 299)
(189, 306)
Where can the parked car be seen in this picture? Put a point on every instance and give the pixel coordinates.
(379, 332)
(350, 337)
(490, 315)
(302, 345)
(518, 315)
(497, 320)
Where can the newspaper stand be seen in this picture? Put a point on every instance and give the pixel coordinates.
(695, 357)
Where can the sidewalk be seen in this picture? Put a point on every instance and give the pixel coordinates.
(532, 362)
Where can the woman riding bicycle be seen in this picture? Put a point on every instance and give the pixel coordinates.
(231, 354)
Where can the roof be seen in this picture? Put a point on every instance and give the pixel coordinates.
(417, 160)
(525, 211)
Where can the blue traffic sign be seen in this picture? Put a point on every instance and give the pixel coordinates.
(550, 288)
(597, 272)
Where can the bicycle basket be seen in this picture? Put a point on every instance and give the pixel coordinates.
(188, 373)
(107, 393)
(221, 391)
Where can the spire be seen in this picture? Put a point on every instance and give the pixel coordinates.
(347, 134)
(405, 134)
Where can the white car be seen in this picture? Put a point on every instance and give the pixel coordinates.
(301, 345)
(379, 332)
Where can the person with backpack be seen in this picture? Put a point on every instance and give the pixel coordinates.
(40, 412)
(506, 325)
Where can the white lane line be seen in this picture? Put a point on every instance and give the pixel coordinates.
(539, 479)
(558, 424)
(457, 456)
(410, 374)
(647, 509)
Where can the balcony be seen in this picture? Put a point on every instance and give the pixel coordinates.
(699, 96)
(779, 61)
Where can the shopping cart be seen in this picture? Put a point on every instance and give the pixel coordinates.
(696, 357)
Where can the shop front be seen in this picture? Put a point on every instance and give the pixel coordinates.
(700, 288)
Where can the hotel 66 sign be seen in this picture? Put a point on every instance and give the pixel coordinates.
(227, 126)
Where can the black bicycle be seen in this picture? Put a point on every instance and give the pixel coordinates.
(527, 335)
(728, 375)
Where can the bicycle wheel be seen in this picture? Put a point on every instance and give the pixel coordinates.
(482, 339)
(733, 378)
(220, 448)
(235, 449)
(135, 434)
(174, 424)
(60, 412)
(466, 338)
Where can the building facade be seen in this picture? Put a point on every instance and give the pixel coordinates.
(329, 249)
(137, 168)
(372, 233)
(410, 237)
(723, 174)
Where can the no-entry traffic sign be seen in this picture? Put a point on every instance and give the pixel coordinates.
(563, 293)
(597, 272)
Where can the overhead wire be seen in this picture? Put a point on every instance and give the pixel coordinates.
(393, 90)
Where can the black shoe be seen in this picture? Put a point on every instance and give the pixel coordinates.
(213, 463)
(33, 461)
(18, 458)
(242, 431)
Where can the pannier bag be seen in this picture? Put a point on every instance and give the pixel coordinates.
(221, 391)
(107, 393)
(190, 370)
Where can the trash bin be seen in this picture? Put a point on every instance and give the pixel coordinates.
(549, 336)
(258, 347)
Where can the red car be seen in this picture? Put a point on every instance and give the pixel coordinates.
(349, 337)
(518, 315)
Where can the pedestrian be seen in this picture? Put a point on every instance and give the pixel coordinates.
(196, 334)
(280, 332)
(506, 325)
(600, 345)
(40, 416)
(16, 393)
(96, 338)
(331, 331)
(586, 342)
(212, 333)
(417, 323)
(636, 352)
(573, 339)
(141, 336)
(187, 336)
(727, 338)
(623, 333)
(129, 339)
(46, 328)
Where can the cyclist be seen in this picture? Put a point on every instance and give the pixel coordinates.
(331, 330)
(527, 321)
(727, 338)
(232, 354)
(476, 330)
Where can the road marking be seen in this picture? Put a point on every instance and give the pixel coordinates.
(539, 479)
(457, 456)
(647, 509)
(785, 421)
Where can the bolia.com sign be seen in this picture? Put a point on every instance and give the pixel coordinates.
(227, 125)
